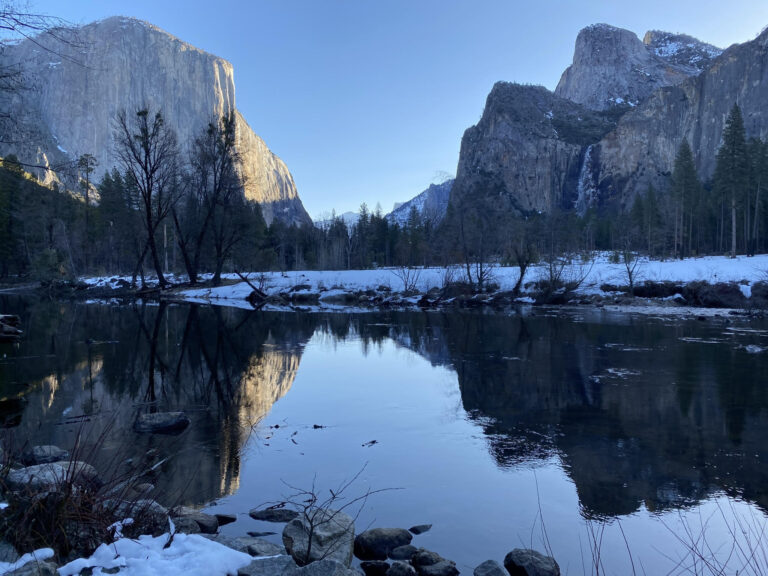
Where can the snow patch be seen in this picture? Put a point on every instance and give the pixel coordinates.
(183, 555)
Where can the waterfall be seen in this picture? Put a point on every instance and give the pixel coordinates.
(587, 190)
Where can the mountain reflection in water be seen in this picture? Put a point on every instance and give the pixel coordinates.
(641, 412)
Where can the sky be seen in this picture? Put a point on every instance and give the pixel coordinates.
(367, 100)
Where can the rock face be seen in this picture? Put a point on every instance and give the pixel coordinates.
(642, 148)
(612, 67)
(613, 125)
(525, 154)
(75, 91)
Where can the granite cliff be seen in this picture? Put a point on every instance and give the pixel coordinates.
(613, 67)
(614, 123)
(74, 90)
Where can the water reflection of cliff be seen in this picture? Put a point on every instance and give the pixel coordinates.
(93, 369)
(641, 412)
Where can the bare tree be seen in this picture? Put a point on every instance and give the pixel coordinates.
(147, 150)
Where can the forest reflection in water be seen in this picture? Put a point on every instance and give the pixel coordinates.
(639, 413)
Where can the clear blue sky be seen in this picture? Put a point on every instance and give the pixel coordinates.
(367, 100)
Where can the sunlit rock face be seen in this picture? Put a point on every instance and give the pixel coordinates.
(74, 90)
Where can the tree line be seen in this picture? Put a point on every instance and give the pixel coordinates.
(160, 211)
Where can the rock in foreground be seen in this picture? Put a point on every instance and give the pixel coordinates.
(525, 562)
(377, 543)
(332, 533)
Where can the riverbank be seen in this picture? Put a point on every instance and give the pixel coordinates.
(92, 526)
(695, 286)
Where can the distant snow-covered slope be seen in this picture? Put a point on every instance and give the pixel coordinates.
(430, 204)
(349, 218)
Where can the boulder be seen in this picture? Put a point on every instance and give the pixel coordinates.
(277, 515)
(374, 567)
(80, 472)
(44, 455)
(37, 477)
(7, 552)
(424, 557)
(526, 562)
(35, 569)
(377, 543)
(403, 552)
(208, 524)
(225, 519)
(249, 545)
(186, 525)
(267, 566)
(441, 568)
(490, 568)
(161, 422)
(325, 567)
(332, 533)
(420, 528)
(401, 569)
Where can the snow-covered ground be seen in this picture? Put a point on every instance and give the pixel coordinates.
(712, 269)
(330, 285)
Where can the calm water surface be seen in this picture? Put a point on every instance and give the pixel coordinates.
(522, 429)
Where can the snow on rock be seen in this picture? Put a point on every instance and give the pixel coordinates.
(37, 556)
(187, 555)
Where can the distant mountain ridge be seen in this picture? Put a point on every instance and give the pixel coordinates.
(431, 204)
(75, 90)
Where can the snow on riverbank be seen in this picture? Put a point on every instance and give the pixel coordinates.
(329, 284)
(186, 555)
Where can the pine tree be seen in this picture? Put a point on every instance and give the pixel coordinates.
(732, 167)
(685, 190)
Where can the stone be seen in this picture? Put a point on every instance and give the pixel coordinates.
(44, 455)
(424, 557)
(277, 515)
(208, 524)
(420, 528)
(141, 64)
(259, 534)
(526, 562)
(35, 569)
(441, 568)
(403, 552)
(7, 552)
(36, 478)
(374, 567)
(267, 567)
(225, 519)
(186, 525)
(149, 516)
(490, 568)
(401, 569)
(325, 567)
(80, 472)
(248, 545)
(333, 534)
(376, 543)
(161, 422)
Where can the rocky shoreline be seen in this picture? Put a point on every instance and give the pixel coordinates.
(44, 484)
(664, 297)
